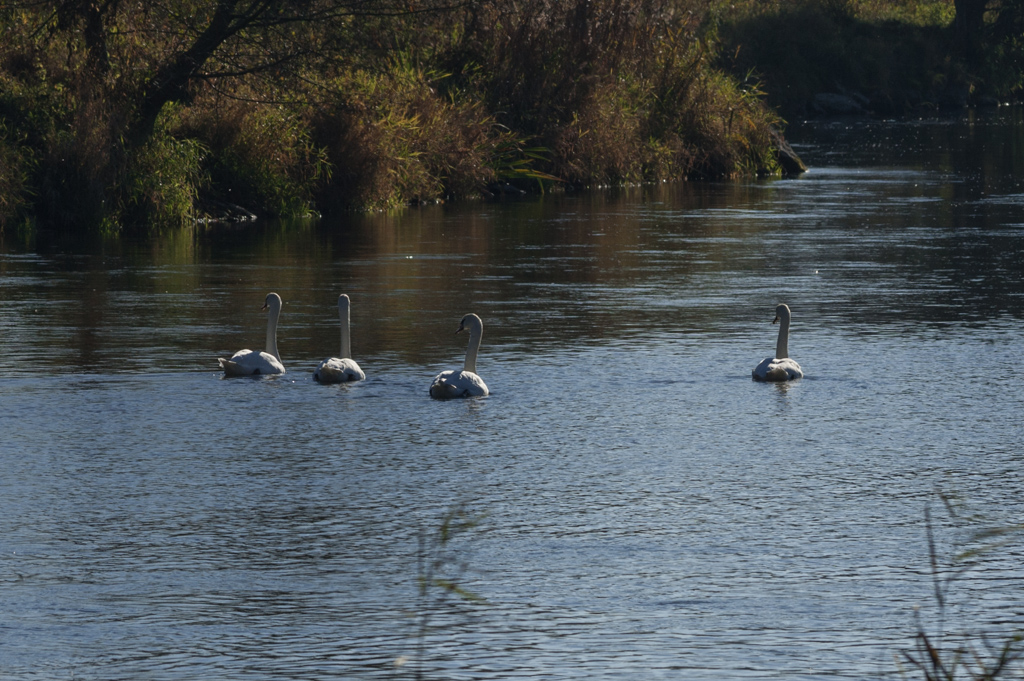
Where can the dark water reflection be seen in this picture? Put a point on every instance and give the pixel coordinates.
(572, 269)
(650, 511)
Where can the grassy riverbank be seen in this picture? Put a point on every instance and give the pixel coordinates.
(362, 110)
(114, 115)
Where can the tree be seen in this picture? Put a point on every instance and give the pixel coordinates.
(184, 42)
(108, 69)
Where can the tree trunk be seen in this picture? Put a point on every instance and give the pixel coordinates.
(968, 25)
(171, 82)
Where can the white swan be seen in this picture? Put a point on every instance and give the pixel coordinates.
(340, 370)
(780, 367)
(251, 362)
(463, 383)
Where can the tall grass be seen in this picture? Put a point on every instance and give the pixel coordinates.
(259, 155)
(390, 137)
(162, 182)
(618, 91)
(976, 654)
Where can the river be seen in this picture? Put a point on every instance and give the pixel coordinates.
(641, 509)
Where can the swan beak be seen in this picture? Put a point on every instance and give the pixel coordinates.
(460, 329)
(776, 319)
(265, 306)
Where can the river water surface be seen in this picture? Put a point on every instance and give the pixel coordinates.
(645, 510)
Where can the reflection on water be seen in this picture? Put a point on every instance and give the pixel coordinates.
(562, 271)
(650, 511)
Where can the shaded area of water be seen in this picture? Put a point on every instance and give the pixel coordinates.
(649, 510)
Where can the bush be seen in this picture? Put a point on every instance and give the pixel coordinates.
(162, 183)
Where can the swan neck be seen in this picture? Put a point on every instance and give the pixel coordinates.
(475, 336)
(782, 346)
(346, 343)
(272, 316)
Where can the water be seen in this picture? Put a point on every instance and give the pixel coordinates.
(646, 510)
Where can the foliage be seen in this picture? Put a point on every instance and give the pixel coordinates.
(391, 137)
(617, 91)
(117, 113)
(911, 12)
(124, 114)
(260, 156)
(162, 181)
(1002, 68)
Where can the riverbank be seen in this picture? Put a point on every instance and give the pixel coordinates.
(374, 112)
(106, 123)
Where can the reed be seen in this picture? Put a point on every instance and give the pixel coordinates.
(441, 568)
(392, 136)
(162, 183)
(617, 91)
(972, 654)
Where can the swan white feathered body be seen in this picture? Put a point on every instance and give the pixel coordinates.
(251, 362)
(343, 369)
(780, 367)
(463, 383)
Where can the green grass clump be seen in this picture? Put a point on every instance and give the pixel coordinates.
(162, 182)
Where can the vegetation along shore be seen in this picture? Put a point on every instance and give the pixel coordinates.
(115, 114)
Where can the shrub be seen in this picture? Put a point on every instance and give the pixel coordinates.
(895, 53)
(362, 112)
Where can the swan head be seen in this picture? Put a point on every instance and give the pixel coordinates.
(273, 302)
(781, 312)
(470, 323)
(343, 302)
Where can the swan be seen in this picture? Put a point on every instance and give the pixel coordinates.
(335, 370)
(463, 383)
(780, 367)
(251, 362)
